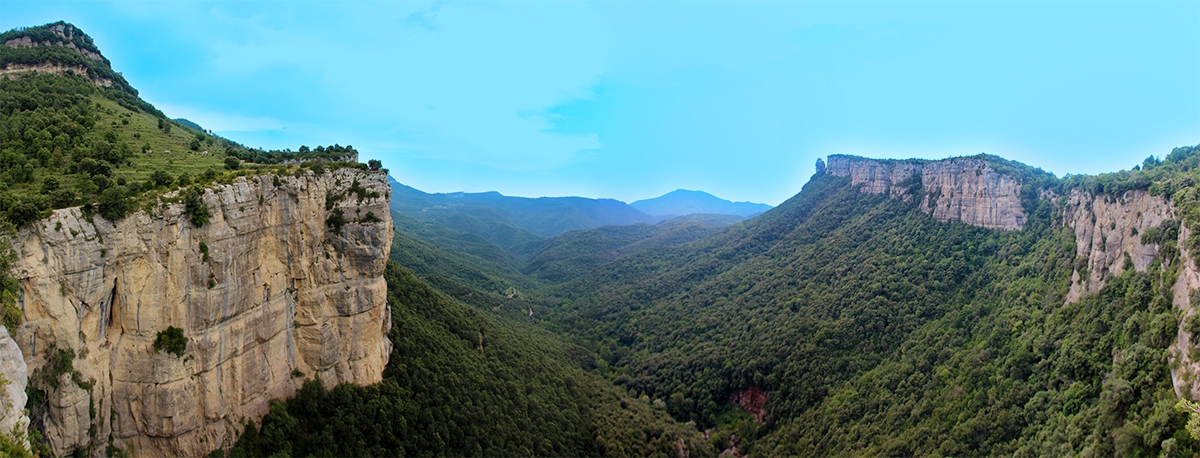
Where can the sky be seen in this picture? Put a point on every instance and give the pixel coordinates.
(633, 99)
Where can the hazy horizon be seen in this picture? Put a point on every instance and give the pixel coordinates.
(630, 101)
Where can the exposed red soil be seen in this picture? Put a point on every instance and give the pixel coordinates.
(752, 400)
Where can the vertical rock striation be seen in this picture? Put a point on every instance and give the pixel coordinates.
(13, 377)
(1107, 232)
(266, 293)
(967, 189)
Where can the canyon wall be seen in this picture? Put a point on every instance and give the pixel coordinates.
(967, 190)
(266, 293)
(1108, 230)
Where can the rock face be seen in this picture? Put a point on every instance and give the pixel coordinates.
(1107, 231)
(266, 294)
(67, 34)
(1108, 242)
(12, 393)
(1185, 369)
(968, 190)
(16, 69)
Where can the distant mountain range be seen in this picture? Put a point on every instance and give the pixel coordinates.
(509, 221)
(681, 202)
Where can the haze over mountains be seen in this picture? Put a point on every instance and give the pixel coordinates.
(509, 221)
(681, 202)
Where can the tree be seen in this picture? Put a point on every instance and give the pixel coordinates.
(115, 203)
(194, 206)
(374, 164)
(232, 163)
(1193, 411)
(171, 341)
(161, 178)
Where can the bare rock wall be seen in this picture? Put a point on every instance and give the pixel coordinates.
(266, 293)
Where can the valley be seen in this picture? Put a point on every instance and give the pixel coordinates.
(167, 291)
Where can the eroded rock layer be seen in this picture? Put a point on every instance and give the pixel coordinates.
(266, 293)
(967, 190)
(1108, 233)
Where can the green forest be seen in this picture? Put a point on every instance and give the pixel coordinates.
(465, 382)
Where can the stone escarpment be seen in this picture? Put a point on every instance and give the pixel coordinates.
(14, 375)
(1185, 363)
(65, 35)
(267, 294)
(1108, 230)
(968, 190)
(16, 69)
(1108, 236)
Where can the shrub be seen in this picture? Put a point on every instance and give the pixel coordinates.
(232, 163)
(62, 198)
(370, 218)
(171, 341)
(161, 178)
(197, 211)
(336, 220)
(115, 203)
(23, 212)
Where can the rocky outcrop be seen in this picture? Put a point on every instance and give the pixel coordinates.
(1185, 367)
(1108, 241)
(1108, 232)
(266, 294)
(967, 190)
(66, 36)
(16, 70)
(13, 377)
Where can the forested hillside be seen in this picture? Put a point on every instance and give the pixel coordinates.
(875, 329)
(467, 382)
(68, 139)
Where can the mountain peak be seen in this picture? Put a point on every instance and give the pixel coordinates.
(59, 33)
(58, 48)
(682, 202)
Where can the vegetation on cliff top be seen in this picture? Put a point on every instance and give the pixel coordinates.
(65, 141)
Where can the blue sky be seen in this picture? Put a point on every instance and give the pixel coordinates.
(631, 100)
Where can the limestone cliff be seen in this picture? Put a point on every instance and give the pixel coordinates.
(13, 377)
(967, 189)
(266, 293)
(65, 35)
(1185, 365)
(1108, 232)
(1108, 240)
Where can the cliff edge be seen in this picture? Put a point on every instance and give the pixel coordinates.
(965, 189)
(271, 291)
